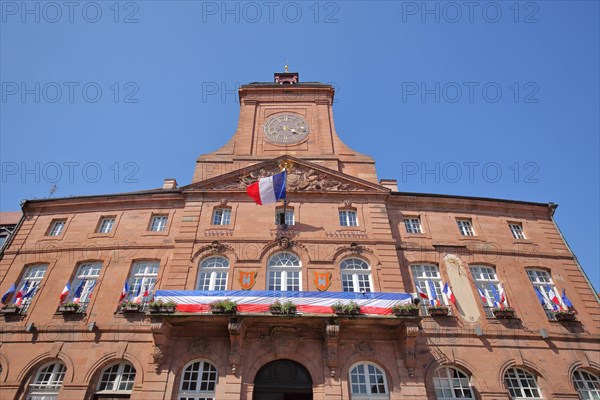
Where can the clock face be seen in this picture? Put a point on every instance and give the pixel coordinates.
(286, 128)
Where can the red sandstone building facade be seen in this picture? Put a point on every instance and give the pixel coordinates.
(346, 232)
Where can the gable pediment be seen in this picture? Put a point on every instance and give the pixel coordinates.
(304, 176)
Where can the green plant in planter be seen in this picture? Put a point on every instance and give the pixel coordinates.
(160, 306)
(224, 306)
(287, 307)
(405, 309)
(349, 308)
(70, 304)
(10, 306)
(563, 315)
(504, 313)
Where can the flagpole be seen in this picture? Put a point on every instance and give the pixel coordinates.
(284, 165)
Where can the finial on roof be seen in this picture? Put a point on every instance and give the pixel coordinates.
(286, 66)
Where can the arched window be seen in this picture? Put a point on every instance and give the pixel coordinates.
(198, 381)
(47, 382)
(284, 272)
(587, 385)
(522, 384)
(367, 381)
(116, 379)
(142, 280)
(451, 383)
(356, 275)
(213, 273)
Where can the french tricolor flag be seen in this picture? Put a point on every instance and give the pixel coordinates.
(65, 292)
(448, 292)
(421, 293)
(268, 190)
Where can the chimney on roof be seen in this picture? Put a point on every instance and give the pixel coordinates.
(170, 183)
(391, 184)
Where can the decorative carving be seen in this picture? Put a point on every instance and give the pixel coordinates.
(285, 341)
(279, 233)
(364, 348)
(218, 232)
(200, 346)
(347, 203)
(410, 346)
(298, 179)
(332, 335)
(285, 243)
(223, 201)
(234, 326)
(157, 355)
(216, 246)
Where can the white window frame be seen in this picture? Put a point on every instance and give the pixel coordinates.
(447, 381)
(88, 272)
(114, 377)
(289, 216)
(33, 276)
(485, 277)
(355, 271)
(413, 225)
(143, 275)
(421, 274)
(57, 227)
(221, 216)
(587, 384)
(366, 380)
(284, 267)
(48, 381)
(348, 217)
(106, 225)
(516, 228)
(542, 279)
(465, 227)
(523, 388)
(211, 270)
(158, 223)
(204, 367)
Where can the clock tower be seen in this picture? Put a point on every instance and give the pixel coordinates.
(285, 117)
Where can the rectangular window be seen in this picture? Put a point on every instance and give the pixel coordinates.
(427, 278)
(56, 227)
(485, 279)
(28, 286)
(517, 230)
(159, 223)
(289, 217)
(284, 280)
(141, 281)
(465, 227)
(413, 225)
(544, 287)
(348, 218)
(83, 284)
(221, 216)
(106, 225)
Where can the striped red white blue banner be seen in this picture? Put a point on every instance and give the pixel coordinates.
(256, 301)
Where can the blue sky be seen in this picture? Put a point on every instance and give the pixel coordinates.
(494, 99)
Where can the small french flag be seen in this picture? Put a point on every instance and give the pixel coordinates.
(268, 190)
(124, 291)
(482, 295)
(422, 294)
(65, 291)
(448, 292)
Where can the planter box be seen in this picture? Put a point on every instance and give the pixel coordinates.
(221, 310)
(277, 311)
(438, 311)
(407, 313)
(131, 308)
(565, 316)
(504, 314)
(163, 310)
(68, 309)
(10, 310)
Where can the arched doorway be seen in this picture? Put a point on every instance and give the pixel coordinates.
(282, 380)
